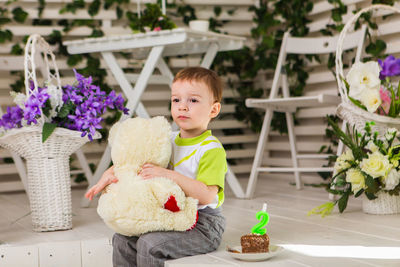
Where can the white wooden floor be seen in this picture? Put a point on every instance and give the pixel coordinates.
(349, 239)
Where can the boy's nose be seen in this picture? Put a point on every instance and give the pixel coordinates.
(183, 106)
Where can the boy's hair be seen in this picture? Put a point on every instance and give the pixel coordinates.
(208, 77)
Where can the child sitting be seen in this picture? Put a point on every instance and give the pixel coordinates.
(198, 165)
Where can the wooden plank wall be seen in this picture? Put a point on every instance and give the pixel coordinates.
(310, 131)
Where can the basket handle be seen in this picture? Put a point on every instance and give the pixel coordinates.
(37, 49)
(338, 60)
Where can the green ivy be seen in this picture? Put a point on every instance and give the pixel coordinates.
(247, 63)
(72, 7)
(271, 19)
(186, 12)
(19, 15)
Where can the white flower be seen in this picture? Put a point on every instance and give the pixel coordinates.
(55, 96)
(19, 99)
(390, 133)
(357, 180)
(392, 130)
(371, 99)
(392, 180)
(372, 147)
(376, 165)
(55, 100)
(342, 161)
(363, 76)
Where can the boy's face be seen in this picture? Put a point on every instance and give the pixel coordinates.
(192, 107)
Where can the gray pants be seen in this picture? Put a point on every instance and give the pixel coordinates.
(152, 249)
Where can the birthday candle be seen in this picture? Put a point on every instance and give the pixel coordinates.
(264, 217)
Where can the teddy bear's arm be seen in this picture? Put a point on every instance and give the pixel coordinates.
(169, 195)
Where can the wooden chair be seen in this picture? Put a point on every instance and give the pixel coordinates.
(289, 105)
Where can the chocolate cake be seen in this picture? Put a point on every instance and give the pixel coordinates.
(255, 243)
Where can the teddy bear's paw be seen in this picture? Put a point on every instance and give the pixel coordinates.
(171, 204)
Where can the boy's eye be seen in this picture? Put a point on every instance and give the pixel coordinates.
(193, 100)
(175, 100)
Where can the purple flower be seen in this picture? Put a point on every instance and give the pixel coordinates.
(83, 105)
(92, 105)
(12, 118)
(72, 95)
(113, 101)
(390, 67)
(33, 105)
(91, 125)
(78, 120)
(31, 113)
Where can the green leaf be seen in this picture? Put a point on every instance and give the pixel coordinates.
(94, 8)
(42, 5)
(324, 209)
(342, 202)
(357, 152)
(119, 12)
(357, 103)
(336, 15)
(48, 129)
(16, 50)
(370, 196)
(46, 108)
(97, 33)
(4, 21)
(376, 49)
(65, 110)
(5, 35)
(217, 10)
(74, 59)
(345, 83)
(392, 110)
(19, 14)
(371, 183)
(341, 180)
(359, 193)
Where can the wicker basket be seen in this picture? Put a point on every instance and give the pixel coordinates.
(49, 186)
(347, 111)
(48, 169)
(384, 204)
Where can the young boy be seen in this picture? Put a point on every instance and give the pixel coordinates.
(198, 166)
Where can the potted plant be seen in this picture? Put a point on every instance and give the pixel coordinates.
(369, 167)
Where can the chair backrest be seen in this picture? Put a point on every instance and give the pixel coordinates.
(314, 45)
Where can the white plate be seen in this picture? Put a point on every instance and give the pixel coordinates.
(273, 251)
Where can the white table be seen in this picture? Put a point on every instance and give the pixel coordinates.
(152, 47)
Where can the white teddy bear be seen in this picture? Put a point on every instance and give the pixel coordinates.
(134, 206)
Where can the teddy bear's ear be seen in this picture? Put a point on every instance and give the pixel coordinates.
(113, 133)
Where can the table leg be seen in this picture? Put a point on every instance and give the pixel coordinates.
(209, 56)
(230, 175)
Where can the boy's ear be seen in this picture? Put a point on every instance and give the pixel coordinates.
(216, 108)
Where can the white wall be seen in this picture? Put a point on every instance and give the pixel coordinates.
(310, 132)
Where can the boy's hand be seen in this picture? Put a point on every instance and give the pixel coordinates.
(107, 178)
(150, 171)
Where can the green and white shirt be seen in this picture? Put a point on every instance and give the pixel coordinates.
(203, 158)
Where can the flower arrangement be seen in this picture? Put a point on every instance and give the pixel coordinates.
(369, 165)
(151, 19)
(369, 87)
(79, 107)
